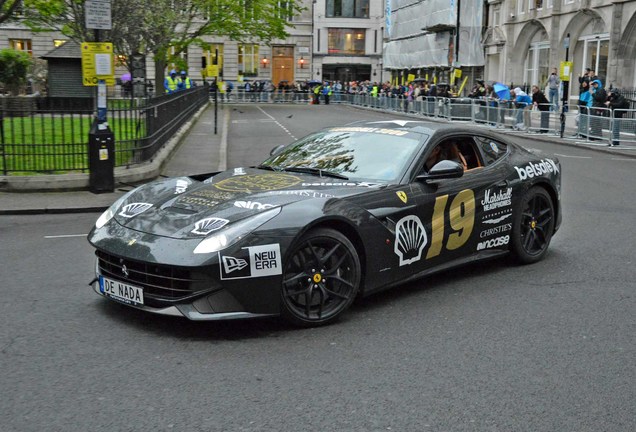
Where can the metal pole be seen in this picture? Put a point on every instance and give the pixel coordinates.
(216, 102)
(566, 87)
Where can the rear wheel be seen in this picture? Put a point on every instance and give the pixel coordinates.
(533, 226)
(321, 278)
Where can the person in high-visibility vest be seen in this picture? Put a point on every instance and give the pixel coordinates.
(185, 82)
(326, 92)
(171, 83)
(317, 91)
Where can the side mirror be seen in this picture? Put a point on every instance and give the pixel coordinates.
(276, 150)
(443, 170)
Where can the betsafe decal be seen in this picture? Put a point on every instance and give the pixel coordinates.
(545, 166)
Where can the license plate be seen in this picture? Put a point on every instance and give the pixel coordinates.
(121, 291)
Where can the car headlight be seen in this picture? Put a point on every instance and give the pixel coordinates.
(111, 211)
(234, 232)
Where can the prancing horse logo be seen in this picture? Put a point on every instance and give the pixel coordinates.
(124, 270)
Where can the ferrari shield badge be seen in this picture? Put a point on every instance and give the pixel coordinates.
(402, 196)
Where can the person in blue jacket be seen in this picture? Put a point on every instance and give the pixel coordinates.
(522, 102)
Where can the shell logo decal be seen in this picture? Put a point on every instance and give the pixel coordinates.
(402, 195)
(133, 209)
(206, 226)
(410, 239)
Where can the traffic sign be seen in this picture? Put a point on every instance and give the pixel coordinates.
(98, 14)
(97, 63)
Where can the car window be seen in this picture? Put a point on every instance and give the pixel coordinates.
(460, 149)
(491, 149)
(372, 154)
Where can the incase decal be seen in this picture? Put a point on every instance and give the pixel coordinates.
(493, 243)
(253, 205)
(133, 209)
(261, 261)
(410, 239)
(537, 169)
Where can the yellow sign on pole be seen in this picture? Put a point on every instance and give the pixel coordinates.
(212, 71)
(97, 63)
(565, 70)
(410, 78)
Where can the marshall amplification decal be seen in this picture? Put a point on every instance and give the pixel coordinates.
(499, 198)
(260, 261)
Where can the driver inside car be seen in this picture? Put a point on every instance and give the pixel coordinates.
(446, 151)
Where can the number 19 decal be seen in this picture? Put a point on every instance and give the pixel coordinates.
(461, 216)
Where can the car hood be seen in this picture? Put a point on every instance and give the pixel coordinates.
(183, 207)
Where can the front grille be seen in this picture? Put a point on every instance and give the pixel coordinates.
(161, 283)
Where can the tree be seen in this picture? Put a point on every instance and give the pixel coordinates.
(14, 66)
(8, 8)
(165, 28)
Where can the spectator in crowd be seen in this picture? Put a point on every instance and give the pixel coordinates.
(522, 102)
(541, 103)
(171, 82)
(553, 90)
(585, 78)
(599, 97)
(618, 104)
(585, 100)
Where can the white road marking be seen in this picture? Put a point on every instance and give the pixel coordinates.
(624, 159)
(65, 236)
(223, 146)
(572, 156)
(278, 123)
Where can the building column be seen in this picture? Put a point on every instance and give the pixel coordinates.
(614, 44)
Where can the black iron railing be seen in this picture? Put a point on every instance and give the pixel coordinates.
(47, 136)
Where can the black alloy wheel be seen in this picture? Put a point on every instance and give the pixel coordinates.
(533, 226)
(321, 278)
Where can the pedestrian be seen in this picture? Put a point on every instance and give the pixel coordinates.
(185, 82)
(582, 118)
(599, 97)
(618, 104)
(584, 78)
(326, 92)
(553, 90)
(522, 102)
(317, 91)
(171, 83)
(540, 102)
(228, 88)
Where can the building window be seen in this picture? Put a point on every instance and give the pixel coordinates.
(537, 68)
(595, 54)
(346, 41)
(21, 45)
(348, 8)
(248, 60)
(284, 10)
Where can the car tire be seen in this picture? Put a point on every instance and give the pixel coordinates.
(533, 226)
(321, 278)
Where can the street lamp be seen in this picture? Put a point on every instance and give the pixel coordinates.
(264, 62)
(301, 62)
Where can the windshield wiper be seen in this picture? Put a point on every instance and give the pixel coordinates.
(317, 171)
(270, 168)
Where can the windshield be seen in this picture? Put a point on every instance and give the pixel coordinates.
(359, 153)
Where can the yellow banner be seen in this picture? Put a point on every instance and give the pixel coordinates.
(410, 78)
(212, 71)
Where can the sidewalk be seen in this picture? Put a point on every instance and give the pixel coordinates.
(195, 149)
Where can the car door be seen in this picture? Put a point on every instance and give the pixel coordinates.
(448, 218)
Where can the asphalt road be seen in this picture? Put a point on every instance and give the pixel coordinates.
(491, 347)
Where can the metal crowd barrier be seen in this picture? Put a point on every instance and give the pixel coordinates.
(581, 123)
